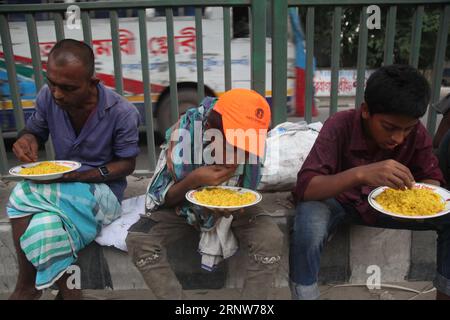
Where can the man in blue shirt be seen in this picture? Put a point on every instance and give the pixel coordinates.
(90, 124)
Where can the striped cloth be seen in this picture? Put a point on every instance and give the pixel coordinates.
(66, 218)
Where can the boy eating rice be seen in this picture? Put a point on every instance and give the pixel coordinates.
(382, 143)
(191, 164)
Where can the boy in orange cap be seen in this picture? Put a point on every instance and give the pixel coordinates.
(243, 116)
(243, 109)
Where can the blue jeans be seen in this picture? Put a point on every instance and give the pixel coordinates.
(315, 221)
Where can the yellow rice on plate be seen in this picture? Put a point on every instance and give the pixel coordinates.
(44, 168)
(223, 197)
(411, 202)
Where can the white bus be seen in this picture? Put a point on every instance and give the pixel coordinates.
(185, 48)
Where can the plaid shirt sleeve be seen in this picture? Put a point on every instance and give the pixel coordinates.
(160, 183)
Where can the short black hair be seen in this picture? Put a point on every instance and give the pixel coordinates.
(68, 48)
(397, 89)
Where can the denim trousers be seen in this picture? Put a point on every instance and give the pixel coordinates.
(315, 221)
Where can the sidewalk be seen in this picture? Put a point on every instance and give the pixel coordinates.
(329, 292)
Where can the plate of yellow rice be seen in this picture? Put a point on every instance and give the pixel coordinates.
(423, 201)
(44, 170)
(223, 197)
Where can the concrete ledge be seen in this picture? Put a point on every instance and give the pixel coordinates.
(390, 250)
(8, 260)
(345, 258)
(423, 255)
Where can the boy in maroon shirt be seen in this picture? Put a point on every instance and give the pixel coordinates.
(382, 143)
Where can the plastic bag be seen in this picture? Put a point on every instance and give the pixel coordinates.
(287, 147)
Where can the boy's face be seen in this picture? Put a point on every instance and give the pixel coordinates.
(231, 155)
(388, 130)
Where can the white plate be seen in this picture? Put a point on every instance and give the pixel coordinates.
(443, 193)
(190, 197)
(72, 166)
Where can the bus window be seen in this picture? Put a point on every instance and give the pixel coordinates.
(241, 22)
(241, 27)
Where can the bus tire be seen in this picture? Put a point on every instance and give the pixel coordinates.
(187, 98)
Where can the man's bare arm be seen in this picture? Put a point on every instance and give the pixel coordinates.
(328, 186)
(26, 147)
(203, 176)
(117, 169)
(385, 173)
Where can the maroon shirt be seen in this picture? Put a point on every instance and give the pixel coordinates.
(342, 145)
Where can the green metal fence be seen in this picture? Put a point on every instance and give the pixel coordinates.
(362, 5)
(258, 59)
(258, 24)
(258, 42)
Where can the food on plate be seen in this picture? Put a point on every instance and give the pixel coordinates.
(45, 167)
(223, 197)
(411, 202)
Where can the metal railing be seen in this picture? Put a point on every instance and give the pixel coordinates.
(258, 24)
(362, 5)
(258, 59)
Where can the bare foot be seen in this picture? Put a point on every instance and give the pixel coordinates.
(64, 292)
(25, 294)
(74, 294)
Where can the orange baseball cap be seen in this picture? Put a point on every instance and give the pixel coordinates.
(245, 118)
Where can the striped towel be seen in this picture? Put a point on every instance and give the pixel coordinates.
(66, 218)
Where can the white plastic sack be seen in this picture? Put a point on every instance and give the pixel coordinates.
(287, 147)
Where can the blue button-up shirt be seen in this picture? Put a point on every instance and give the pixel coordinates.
(110, 133)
